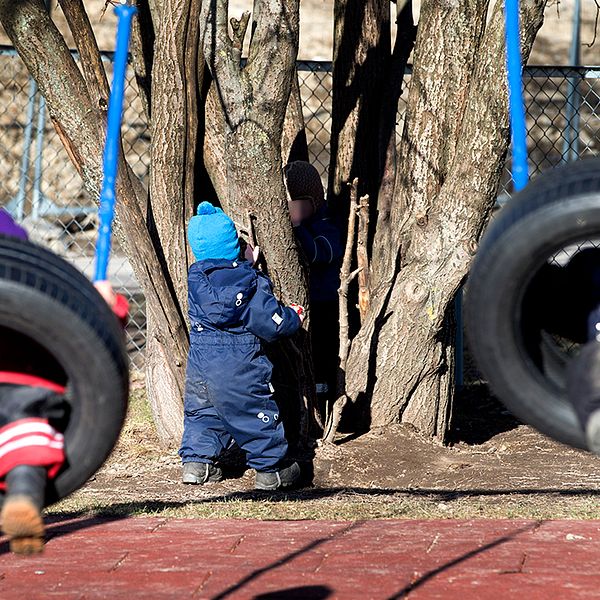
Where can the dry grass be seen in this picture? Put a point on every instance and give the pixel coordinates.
(352, 507)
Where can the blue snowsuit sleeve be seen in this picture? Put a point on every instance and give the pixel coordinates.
(320, 241)
(266, 317)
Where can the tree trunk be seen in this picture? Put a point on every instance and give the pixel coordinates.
(174, 144)
(293, 142)
(448, 174)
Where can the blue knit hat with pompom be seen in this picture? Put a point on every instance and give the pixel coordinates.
(212, 234)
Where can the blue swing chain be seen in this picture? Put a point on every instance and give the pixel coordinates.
(106, 212)
(520, 171)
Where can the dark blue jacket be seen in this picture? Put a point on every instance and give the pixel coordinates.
(234, 298)
(320, 241)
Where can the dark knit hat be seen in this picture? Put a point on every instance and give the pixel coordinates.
(304, 183)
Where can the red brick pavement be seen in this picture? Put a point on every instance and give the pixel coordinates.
(158, 558)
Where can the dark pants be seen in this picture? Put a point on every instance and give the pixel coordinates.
(21, 402)
(228, 396)
(20, 354)
(325, 337)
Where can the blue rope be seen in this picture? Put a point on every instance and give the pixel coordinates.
(106, 212)
(520, 169)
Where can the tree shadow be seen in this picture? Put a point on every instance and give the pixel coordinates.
(305, 592)
(282, 561)
(133, 508)
(452, 563)
(478, 416)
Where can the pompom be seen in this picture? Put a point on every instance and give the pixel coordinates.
(205, 208)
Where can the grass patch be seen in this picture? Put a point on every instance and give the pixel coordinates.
(351, 507)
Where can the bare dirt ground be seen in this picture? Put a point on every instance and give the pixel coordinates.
(495, 467)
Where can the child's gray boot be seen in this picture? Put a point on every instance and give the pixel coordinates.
(197, 473)
(285, 477)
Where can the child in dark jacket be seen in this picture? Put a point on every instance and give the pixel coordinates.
(320, 242)
(228, 393)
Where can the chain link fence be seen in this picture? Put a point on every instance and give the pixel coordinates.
(39, 185)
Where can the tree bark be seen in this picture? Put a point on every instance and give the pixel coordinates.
(361, 56)
(446, 185)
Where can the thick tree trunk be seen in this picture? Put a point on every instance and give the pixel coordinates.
(174, 144)
(448, 175)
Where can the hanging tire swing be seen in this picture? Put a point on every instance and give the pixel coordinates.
(530, 291)
(63, 331)
(535, 282)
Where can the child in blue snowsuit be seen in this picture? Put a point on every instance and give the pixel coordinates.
(228, 392)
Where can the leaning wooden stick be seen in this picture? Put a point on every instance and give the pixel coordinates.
(362, 259)
(333, 417)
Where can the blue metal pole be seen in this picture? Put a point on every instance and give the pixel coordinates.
(515, 95)
(571, 141)
(106, 211)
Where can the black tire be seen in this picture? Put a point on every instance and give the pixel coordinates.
(505, 300)
(46, 299)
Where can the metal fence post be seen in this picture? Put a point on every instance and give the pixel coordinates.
(37, 199)
(19, 202)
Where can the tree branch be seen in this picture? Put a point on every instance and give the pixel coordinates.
(272, 55)
(89, 54)
(142, 54)
(239, 33)
(362, 256)
(333, 417)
